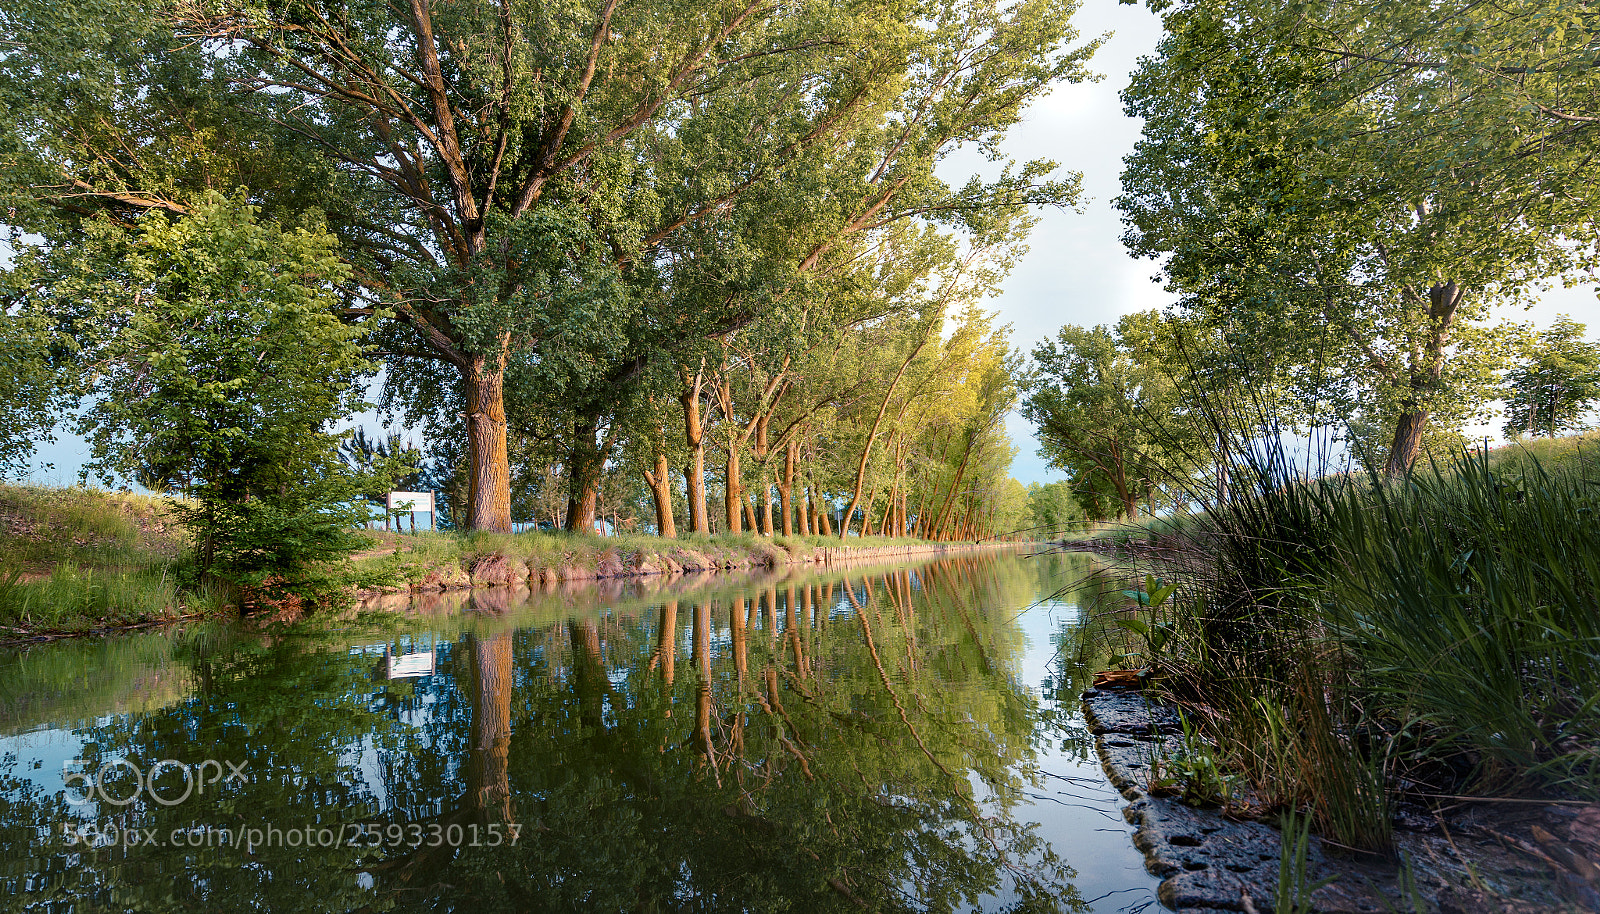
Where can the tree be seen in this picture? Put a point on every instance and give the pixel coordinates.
(1507, 93)
(1052, 509)
(1275, 200)
(1555, 384)
(217, 362)
(500, 175)
(1109, 413)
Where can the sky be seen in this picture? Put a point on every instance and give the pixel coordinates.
(1076, 271)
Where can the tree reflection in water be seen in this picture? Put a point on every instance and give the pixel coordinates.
(855, 743)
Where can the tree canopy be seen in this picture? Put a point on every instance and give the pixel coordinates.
(510, 184)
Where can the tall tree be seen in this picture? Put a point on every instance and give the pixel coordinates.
(1270, 196)
(217, 363)
(1109, 412)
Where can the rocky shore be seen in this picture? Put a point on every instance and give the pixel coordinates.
(420, 574)
(1512, 857)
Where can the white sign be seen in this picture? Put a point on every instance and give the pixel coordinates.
(411, 501)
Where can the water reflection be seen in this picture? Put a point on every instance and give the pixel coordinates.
(835, 743)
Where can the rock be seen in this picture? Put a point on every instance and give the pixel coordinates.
(609, 565)
(689, 560)
(1128, 712)
(493, 569)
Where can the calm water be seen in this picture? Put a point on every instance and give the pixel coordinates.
(885, 739)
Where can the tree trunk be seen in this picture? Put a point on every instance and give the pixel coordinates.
(489, 466)
(749, 514)
(1443, 300)
(694, 436)
(583, 475)
(872, 435)
(660, 482)
(786, 490)
(944, 519)
(734, 488)
(1407, 441)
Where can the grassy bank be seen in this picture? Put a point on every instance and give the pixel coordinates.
(427, 561)
(1356, 647)
(76, 561)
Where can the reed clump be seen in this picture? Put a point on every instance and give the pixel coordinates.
(1354, 642)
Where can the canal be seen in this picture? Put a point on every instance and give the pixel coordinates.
(880, 738)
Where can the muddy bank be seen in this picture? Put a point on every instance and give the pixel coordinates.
(421, 574)
(1472, 858)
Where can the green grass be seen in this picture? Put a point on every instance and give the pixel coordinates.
(77, 559)
(1351, 639)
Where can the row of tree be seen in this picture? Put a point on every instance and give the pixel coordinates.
(1340, 194)
(579, 247)
(888, 426)
(549, 228)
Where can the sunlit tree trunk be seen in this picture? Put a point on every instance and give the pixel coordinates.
(749, 514)
(786, 490)
(694, 436)
(734, 489)
(660, 482)
(488, 463)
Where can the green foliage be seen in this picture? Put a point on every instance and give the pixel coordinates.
(33, 386)
(563, 212)
(1110, 413)
(1360, 275)
(1554, 384)
(1052, 509)
(218, 368)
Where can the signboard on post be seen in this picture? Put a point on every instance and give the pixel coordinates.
(413, 503)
